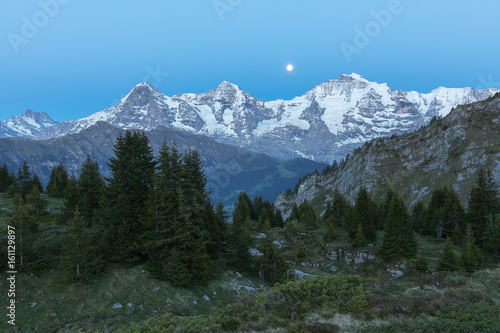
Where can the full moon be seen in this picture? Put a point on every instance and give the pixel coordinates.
(289, 68)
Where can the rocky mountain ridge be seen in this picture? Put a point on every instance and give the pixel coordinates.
(324, 124)
(447, 152)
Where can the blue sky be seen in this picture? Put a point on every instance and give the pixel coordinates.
(71, 58)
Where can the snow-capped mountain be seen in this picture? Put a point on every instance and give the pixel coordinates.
(326, 123)
(26, 126)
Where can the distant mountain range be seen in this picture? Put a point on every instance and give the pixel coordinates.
(27, 125)
(326, 123)
(447, 152)
(229, 169)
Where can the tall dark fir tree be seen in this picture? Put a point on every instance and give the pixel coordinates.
(132, 172)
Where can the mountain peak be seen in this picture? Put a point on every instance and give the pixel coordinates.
(141, 91)
(353, 76)
(29, 113)
(227, 85)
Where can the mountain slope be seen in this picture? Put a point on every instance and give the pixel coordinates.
(448, 152)
(26, 125)
(325, 124)
(229, 169)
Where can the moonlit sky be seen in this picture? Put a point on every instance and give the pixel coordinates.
(88, 54)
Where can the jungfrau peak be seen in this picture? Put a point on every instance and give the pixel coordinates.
(324, 124)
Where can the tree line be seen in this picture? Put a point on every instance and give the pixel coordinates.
(154, 211)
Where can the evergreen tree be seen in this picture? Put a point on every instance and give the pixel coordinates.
(360, 239)
(272, 262)
(448, 260)
(132, 172)
(24, 180)
(483, 203)
(36, 202)
(5, 179)
(330, 229)
(81, 258)
(26, 228)
(457, 237)
(444, 213)
(470, 260)
(35, 181)
(338, 208)
(239, 240)
(384, 209)
(365, 213)
(90, 186)
(58, 181)
(399, 239)
(418, 216)
(71, 197)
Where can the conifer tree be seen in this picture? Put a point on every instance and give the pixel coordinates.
(26, 227)
(330, 229)
(418, 216)
(132, 172)
(338, 208)
(360, 239)
(448, 260)
(81, 258)
(58, 181)
(273, 266)
(483, 203)
(24, 180)
(470, 260)
(5, 179)
(399, 239)
(71, 197)
(239, 240)
(37, 204)
(444, 213)
(366, 214)
(90, 186)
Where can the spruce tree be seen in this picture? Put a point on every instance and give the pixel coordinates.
(5, 179)
(338, 208)
(37, 204)
(365, 213)
(418, 216)
(330, 229)
(448, 260)
(470, 260)
(132, 172)
(90, 186)
(360, 240)
(71, 197)
(399, 239)
(26, 227)
(273, 266)
(82, 259)
(24, 180)
(58, 181)
(483, 203)
(239, 240)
